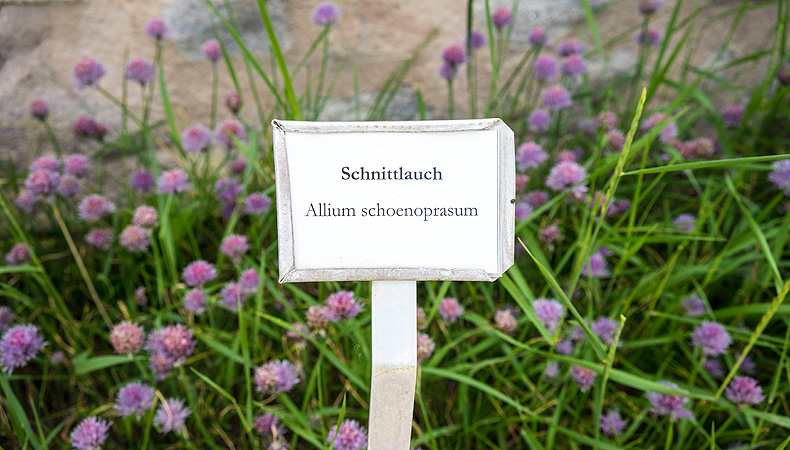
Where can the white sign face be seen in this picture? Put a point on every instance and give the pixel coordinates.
(394, 200)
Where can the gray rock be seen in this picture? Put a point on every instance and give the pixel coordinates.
(403, 106)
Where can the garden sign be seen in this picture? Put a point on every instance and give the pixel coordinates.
(394, 203)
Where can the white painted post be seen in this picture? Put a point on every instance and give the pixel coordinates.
(394, 374)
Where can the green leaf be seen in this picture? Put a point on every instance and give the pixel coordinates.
(84, 365)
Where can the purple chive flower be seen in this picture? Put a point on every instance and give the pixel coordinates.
(139, 296)
(549, 313)
(564, 347)
(90, 434)
(341, 305)
(19, 345)
(227, 189)
(571, 46)
(350, 436)
(780, 176)
(712, 337)
(174, 342)
(448, 71)
(747, 366)
(140, 70)
(276, 377)
(268, 425)
(42, 182)
(316, 317)
(713, 367)
(536, 199)
(732, 114)
(599, 201)
(523, 211)
(6, 317)
(685, 222)
(143, 181)
(583, 377)
(545, 68)
(69, 186)
(454, 55)
(607, 120)
(85, 127)
(57, 358)
(668, 133)
(39, 109)
(249, 281)
(565, 176)
(530, 156)
(134, 399)
(134, 238)
(145, 216)
(550, 234)
(198, 273)
(171, 414)
(157, 29)
(647, 7)
(87, 72)
(450, 309)
(501, 17)
(326, 13)
(574, 65)
(18, 255)
(231, 297)
(605, 328)
(669, 404)
(226, 129)
(76, 165)
(238, 166)
(127, 338)
(615, 140)
(556, 97)
(694, 306)
(212, 50)
(298, 336)
(195, 301)
(195, 139)
(173, 181)
(596, 267)
(100, 238)
(651, 37)
(538, 37)
(611, 423)
(505, 321)
(539, 120)
(521, 181)
(744, 391)
(551, 371)
(257, 203)
(477, 40)
(94, 206)
(233, 102)
(234, 247)
(425, 347)
(49, 163)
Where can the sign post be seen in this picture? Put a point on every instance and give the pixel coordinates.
(394, 203)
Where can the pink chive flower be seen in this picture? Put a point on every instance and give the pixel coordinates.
(783, 74)
(450, 309)
(231, 297)
(238, 166)
(521, 181)
(276, 377)
(539, 120)
(90, 434)
(549, 313)
(227, 189)
(195, 301)
(18, 255)
(134, 399)
(530, 156)
(127, 338)
(551, 371)
(94, 206)
(139, 296)
(422, 319)
(174, 342)
(226, 129)
(257, 203)
(316, 317)
(668, 133)
(694, 306)
(249, 281)
(145, 216)
(523, 211)
(501, 17)
(505, 321)
(568, 176)
(550, 234)
(545, 68)
(583, 377)
(76, 165)
(605, 328)
(134, 238)
(85, 127)
(454, 55)
(198, 273)
(326, 13)
(744, 391)
(732, 114)
(611, 423)
(448, 71)
(538, 37)
(143, 181)
(571, 46)
(607, 120)
(425, 347)
(173, 181)
(647, 7)
(350, 436)
(268, 425)
(477, 40)
(651, 37)
(42, 182)
(574, 65)
(18, 345)
(234, 247)
(556, 97)
(341, 305)
(712, 337)
(100, 238)
(297, 336)
(171, 415)
(685, 222)
(39, 109)
(212, 50)
(536, 199)
(49, 163)
(615, 140)
(87, 72)
(195, 139)
(140, 70)
(669, 404)
(596, 267)
(156, 28)
(780, 175)
(6, 317)
(233, 102)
